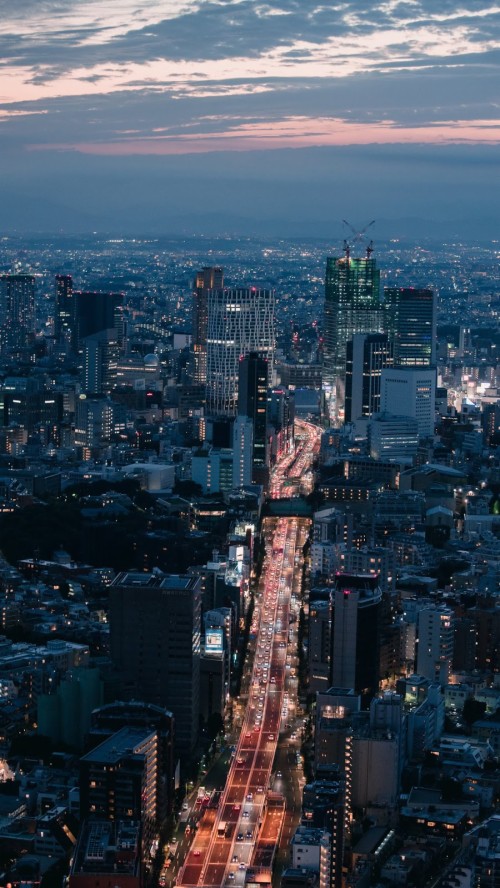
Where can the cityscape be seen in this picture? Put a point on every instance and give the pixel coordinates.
(250, 517)
(249, 444)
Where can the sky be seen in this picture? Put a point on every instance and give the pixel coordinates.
(246, 117)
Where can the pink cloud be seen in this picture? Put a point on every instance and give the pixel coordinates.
(293, 132)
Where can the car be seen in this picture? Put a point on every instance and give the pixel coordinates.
(196, 853)
(249, 796)
(239, 837)
(231, 876)
(279, 774)
(174, 841)
(236, 807)
(185, 806)
(235, 858)
(245, 813)
(249, 834)
(242, 866)
(271, 737)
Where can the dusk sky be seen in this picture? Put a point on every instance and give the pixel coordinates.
(239, 117)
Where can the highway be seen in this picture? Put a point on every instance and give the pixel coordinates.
(244, 830)
(292, 475)
(228, 839)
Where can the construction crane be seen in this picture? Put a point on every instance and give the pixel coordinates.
(357, 237)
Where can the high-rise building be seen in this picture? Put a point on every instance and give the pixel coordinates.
(209, 278)
(119, 780)
(95, 312)
(239, 321)
(64, 309)
(155, 622)
(17, 310)
(356, 617)
(410, 391)
(323, 807)
(352, 305)
(393, 438)
(435, 643)
(253, 380)
(243, 435)
(367, 354)
(410, 321)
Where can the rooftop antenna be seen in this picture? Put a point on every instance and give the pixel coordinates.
(356, 238)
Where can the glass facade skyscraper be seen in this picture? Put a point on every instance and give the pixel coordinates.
(240, 321)
(410, 321)
(352, 305)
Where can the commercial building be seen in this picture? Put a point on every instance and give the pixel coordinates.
(356, 616)
(155, 622)
(352, 305)
(435, 643)
(393, 438)
(64, 309)
(253, 381)
(17, 311)
(107, 853)
(410, 321)
(367, 354)
(410, 391)
(209, 278)
(240, 321)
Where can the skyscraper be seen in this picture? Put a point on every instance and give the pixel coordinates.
(352, 305)
(356, 613)
(155, 622)
(252, 402)
(209, 278)
(239, 321)
(410, 391)
(95, 312)
(64, 310)
(366, 356)
(17, 310)
(410, 321)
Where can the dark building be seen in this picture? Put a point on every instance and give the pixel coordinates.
(107, 853)
(366, 356)
(410, 321)
(17, 311)
(64, 311)
(118, 781)
(209, 278)
(356, 618)
(155, 622)
(108, 720)
(352, 305)
(95, 312)
(323, 807)
(252, 402)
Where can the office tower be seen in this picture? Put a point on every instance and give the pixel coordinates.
(410, 391)
(378, 754)
(64, 309)
(435, 643)
(367, 354)
(155, 623)
(243, 438)
(96, 420)
(393, 438)
(95, 312)
(410, 321)
(119, 780)
(356, 615)
(253, 380)
(17, 311)
(101, 354)
(239, 321)
(318, 652)
(209, 278)
(352, 305)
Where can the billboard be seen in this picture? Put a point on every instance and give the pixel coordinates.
(214, 641)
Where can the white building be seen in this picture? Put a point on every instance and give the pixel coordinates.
(239, 321)
(410, 391)
(393, 438)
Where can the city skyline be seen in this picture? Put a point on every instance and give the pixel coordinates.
(118, 122)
